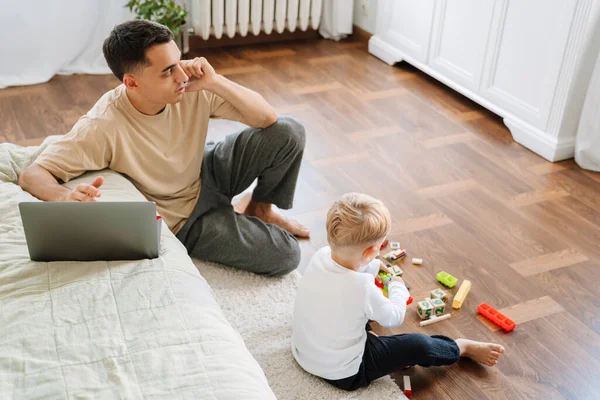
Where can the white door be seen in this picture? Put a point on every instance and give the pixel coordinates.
(460, 38)
(523, 68)
(406, 25)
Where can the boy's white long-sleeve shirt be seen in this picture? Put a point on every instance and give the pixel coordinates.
(333, 305)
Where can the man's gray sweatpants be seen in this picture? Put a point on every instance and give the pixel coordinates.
(215, 232)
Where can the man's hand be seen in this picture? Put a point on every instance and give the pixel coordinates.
(85, 192)
(201, 74)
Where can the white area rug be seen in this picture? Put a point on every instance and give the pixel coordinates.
(261, 310)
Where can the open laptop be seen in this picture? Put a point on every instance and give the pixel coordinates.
(90, 231)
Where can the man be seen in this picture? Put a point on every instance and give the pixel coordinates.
(152, 129)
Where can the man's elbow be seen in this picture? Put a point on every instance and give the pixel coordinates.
(23, 177)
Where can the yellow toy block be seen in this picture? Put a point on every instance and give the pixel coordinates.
(461, 295)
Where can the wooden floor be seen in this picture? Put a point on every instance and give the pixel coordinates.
(463, 196)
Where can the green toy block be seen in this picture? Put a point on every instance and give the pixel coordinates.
(446, 279)
(438, 306)
(439, 294)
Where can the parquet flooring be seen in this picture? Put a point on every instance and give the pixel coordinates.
(463, 195)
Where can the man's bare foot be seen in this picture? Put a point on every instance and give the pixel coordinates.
(265, 213)
(484, 353)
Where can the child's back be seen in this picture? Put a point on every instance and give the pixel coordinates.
(330, 316)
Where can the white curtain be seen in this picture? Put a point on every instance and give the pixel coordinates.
(41, 38)
(587, 142)
(336, 20)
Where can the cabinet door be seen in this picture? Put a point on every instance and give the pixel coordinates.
(406, 25)
(460, 37)
(530, 49)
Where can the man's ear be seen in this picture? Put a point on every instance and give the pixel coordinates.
(130, 81)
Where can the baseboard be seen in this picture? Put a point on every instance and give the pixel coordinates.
(360, 35)
(540, 142)
(384, 51)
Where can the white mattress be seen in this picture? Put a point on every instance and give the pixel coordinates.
(146, 329)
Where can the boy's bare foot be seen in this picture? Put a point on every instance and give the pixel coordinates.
(265, 213)
(484, 353)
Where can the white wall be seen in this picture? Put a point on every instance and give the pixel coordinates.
(365, 19)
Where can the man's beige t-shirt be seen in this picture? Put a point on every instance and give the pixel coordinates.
(160, 154)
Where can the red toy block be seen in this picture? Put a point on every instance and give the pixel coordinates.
(379, 283)
(496, 317)
(384, 245)
(410, 300)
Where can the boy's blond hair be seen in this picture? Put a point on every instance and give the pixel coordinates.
(357, 219)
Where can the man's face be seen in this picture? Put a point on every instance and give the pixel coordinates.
(163, 81)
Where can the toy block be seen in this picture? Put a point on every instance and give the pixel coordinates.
(439, 294)
(395, 245)
(410, 300)
(417, 261)
(496, 317)
(446, 279)
(379, 282)
(384, 245)
(407, 388)
(424, 309)
(438, 306)
(435, 319)
(461, 295)
(395, 255)
(384, 275)
(396, 270)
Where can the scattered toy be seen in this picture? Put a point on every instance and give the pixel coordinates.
(417, 261)
(446, 279)
(438, 294)
(395, 245)
(434, 319)
(395, 255)
(496, 317)
(407, 388)
(396, 270)
(424, 309)
(438, 306)
(461, 295)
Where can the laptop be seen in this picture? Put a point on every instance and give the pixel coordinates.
(91, 231)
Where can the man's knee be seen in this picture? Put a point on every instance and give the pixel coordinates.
(291, 128)
(286, 260)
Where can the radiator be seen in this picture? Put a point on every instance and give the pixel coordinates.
(234, 17)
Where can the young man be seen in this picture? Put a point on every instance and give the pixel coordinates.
(152, 129)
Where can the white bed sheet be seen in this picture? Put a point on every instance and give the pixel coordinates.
(145, 329)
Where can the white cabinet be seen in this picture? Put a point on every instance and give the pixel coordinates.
(408, 27)
(523, 59)
(459, 40)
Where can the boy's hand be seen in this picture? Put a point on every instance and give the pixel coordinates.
(384, 268)
(398, 279)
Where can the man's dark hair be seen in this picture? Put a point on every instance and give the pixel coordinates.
(125, 48)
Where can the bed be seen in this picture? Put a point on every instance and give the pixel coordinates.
(146, 329)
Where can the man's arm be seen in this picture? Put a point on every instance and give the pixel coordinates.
(255, 110)
(38, 181)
